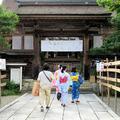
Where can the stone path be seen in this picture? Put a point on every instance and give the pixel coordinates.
(8, 99)
(112, 103)
(27, 108)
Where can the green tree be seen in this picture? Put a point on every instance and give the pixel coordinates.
(111, 44)
(8, 22)
(112, 5)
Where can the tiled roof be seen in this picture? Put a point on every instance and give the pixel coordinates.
(59, 1)
(61, 10)
(10, 4)
(55, 9)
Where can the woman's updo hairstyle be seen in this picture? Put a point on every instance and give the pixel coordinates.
(63, 69)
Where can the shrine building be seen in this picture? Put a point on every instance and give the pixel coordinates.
(56, 32)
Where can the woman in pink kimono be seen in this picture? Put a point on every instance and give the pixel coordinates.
(56, 75)
(64, 82)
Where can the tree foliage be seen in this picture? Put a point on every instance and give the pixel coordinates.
(112, 5)
(116, 21)
(111, 43)
(110, 46)
(8, 22)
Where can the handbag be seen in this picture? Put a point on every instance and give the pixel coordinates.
(80, 79)
(35, 89)
(58, 96)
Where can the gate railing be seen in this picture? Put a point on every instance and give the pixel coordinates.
(109, 78)
(2, 84)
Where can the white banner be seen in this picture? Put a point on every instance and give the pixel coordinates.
(97, 41)
(100, 66)
(2, 64)
(62, 45)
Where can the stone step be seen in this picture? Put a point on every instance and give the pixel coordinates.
(28, 85)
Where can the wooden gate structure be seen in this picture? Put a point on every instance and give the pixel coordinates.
(109, 78)
(41, 19)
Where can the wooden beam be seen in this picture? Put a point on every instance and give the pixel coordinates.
(109, 79)
(3, 76)
(112, 63)
(60, 33)
(112, 70)
(110, 86)
(63, 17)
(2, 84)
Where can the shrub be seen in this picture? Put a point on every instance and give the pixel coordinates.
(11, 89)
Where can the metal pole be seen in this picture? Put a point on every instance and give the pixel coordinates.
(115, 102)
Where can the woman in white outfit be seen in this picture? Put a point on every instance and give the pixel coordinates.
(45, 77)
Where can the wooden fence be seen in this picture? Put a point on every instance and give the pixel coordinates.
(2, 84)
(109, 78)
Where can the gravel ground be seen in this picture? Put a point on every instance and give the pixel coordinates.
(112, 103)
(7, 99)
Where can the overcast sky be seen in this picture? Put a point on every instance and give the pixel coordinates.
(1, 1)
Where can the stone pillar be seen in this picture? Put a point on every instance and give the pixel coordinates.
(86, 61)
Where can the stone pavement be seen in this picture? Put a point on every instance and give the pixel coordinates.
(8, 99)
(27, 108)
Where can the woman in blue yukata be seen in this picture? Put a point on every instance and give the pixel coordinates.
(75, 85)
(64, 83)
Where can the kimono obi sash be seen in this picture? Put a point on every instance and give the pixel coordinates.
(63, 79)
(74, 76)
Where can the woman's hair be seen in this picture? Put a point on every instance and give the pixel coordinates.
(46, 66)
(74, 69)
(59, 66)
(63, 69)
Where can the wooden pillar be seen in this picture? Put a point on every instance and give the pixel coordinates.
(86, 61)
(40, 38)
(23, 35)
(36, 49)
(115, 102)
